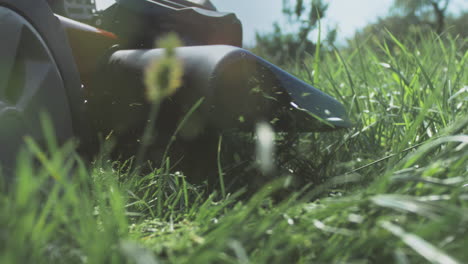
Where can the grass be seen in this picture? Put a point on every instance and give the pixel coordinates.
(391, 189)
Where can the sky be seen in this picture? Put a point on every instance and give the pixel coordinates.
(347, 15)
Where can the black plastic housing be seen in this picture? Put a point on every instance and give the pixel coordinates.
(139, 22)
(239, 90)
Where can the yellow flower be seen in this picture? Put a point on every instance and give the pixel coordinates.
(164, 76)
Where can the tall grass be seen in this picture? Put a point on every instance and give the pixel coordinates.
(391, 189)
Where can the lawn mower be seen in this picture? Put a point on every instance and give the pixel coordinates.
(84, 69)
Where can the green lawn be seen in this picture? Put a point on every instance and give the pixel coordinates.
(394, 188)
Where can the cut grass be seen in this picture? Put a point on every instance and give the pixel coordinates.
(391, 189)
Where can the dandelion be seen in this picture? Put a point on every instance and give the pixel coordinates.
(164, 76)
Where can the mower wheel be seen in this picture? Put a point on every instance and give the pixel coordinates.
(37, 75)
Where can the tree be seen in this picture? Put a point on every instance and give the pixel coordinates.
(282, 47)
(426, 9)
(457, 25)
(403, 28)
(305, 15)
(409, 29)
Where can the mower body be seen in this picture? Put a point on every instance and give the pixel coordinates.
(88, 77)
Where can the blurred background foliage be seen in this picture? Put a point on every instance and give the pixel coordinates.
(413, 20)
